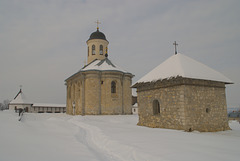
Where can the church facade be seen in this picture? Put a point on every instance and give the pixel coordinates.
(100, 87)
(183, 94)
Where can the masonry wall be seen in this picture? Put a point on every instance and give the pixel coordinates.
(91, 92)
(185, 104)
(171, 107)
(205, 108)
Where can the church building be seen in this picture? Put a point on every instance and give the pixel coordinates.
(183, 94)
(21, 102)
(100, 87)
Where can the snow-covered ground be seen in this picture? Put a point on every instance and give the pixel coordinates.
(60, 137)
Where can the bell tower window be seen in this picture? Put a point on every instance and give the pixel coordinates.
(101, 50)
(88, 50)
(93, 50)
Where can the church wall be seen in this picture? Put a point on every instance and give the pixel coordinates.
(171, 108)
(111, 102)
(92, 93)
(205, 108)
(185, 104)
(127, 95)
(78, 105)
(68, 98)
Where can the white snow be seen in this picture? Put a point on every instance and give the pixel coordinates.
(20, 99)
(181, 65)
(61, 137)
(48, 105)
(103, 67)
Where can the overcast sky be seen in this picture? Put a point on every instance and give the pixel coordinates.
(43, 42)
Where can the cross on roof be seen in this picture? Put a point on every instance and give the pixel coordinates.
(98, 22)
(175, 44)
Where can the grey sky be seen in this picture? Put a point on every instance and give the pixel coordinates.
(43, 42)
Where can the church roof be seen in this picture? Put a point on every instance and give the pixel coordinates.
(183, 66)
(97, 35)
(20, 99)
(103, 65)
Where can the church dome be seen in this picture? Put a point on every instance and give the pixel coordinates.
(97, 35)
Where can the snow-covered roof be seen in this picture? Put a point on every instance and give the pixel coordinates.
(102, 65)
(183, 66)
(48, 105)
(20, 99)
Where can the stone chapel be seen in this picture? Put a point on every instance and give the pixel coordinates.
(100, 87)
(183, 94)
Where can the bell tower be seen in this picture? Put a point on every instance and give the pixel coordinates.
(97, 45)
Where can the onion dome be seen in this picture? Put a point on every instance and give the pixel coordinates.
(97, 35)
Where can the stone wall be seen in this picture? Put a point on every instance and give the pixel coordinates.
(185, 104)
(91, 92)
(171, 108)
(205, 108)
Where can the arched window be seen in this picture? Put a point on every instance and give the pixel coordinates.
(156, 107)
(113, 87)
(93, 50)
(88, 50)
(101, 50)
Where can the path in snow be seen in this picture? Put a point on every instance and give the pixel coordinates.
(62, 137)
(102, 146)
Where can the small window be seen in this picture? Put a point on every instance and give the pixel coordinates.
(88, 50)
(207, 110)
(156, 107)
(101, 50)
(106, 50)
(113, 87)
(93, 50)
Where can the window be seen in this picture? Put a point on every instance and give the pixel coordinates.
(207, 110)
(88, 50)
(156, 107)
(113, 87)
(101, 50)
(93, 50)
(106, 50)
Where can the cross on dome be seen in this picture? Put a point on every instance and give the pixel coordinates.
(98, 22)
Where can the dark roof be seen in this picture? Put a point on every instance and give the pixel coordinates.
(18, 94)
(97, 35)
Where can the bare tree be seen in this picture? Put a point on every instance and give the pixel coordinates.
(4, 105)
(1, 106)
